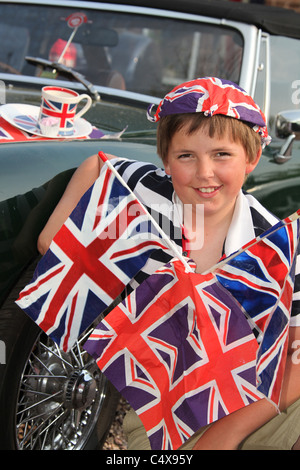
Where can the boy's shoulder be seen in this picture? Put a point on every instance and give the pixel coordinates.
(145, 176)
(126, 165)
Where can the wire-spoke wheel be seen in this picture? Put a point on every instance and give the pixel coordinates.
(49, 399)
(59, 399)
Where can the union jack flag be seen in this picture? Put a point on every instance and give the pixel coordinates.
(10, 133)
(4, 135)
(27, 122)
(106, 240)
(65, 112)
(183, 349)
(264, 291)
(212, 95)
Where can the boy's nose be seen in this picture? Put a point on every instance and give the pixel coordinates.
(204, 168)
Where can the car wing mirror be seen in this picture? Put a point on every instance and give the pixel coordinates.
(287, 127)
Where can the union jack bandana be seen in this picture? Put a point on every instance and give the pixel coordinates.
(211, 96)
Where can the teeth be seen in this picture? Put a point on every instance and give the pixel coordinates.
(207, 190)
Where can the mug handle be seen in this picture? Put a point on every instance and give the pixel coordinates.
(86, 107)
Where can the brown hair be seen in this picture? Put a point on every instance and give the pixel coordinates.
(217, 125)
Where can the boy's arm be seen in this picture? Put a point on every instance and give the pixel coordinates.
(81, 181)
(228, 432)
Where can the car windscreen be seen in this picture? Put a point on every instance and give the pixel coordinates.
(136, 52)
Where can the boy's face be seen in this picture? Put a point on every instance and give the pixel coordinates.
(207, 170)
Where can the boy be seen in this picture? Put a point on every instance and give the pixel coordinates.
(210, 137)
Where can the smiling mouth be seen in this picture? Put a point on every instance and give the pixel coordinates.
(209, 190)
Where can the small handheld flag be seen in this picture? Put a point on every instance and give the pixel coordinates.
(102, 245)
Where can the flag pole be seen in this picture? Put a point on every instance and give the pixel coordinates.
(168, 241)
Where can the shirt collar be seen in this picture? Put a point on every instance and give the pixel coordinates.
(241, 230)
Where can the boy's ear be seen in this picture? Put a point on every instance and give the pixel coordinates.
(251, 165)
(167, 167)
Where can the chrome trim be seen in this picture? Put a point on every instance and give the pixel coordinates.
(256, 62)
(110, 92)
(267, 97)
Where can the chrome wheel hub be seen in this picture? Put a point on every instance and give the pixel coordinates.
(81, 390)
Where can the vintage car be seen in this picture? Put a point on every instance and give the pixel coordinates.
(125, 55)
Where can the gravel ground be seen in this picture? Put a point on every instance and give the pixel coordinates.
(116, 439)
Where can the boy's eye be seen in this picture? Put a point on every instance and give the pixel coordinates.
(222, 154)
(185, 155)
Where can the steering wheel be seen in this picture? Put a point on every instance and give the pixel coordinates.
(9, 68)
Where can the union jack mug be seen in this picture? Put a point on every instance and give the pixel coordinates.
(58, 110)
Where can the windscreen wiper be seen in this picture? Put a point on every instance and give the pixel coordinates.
(68, 71)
